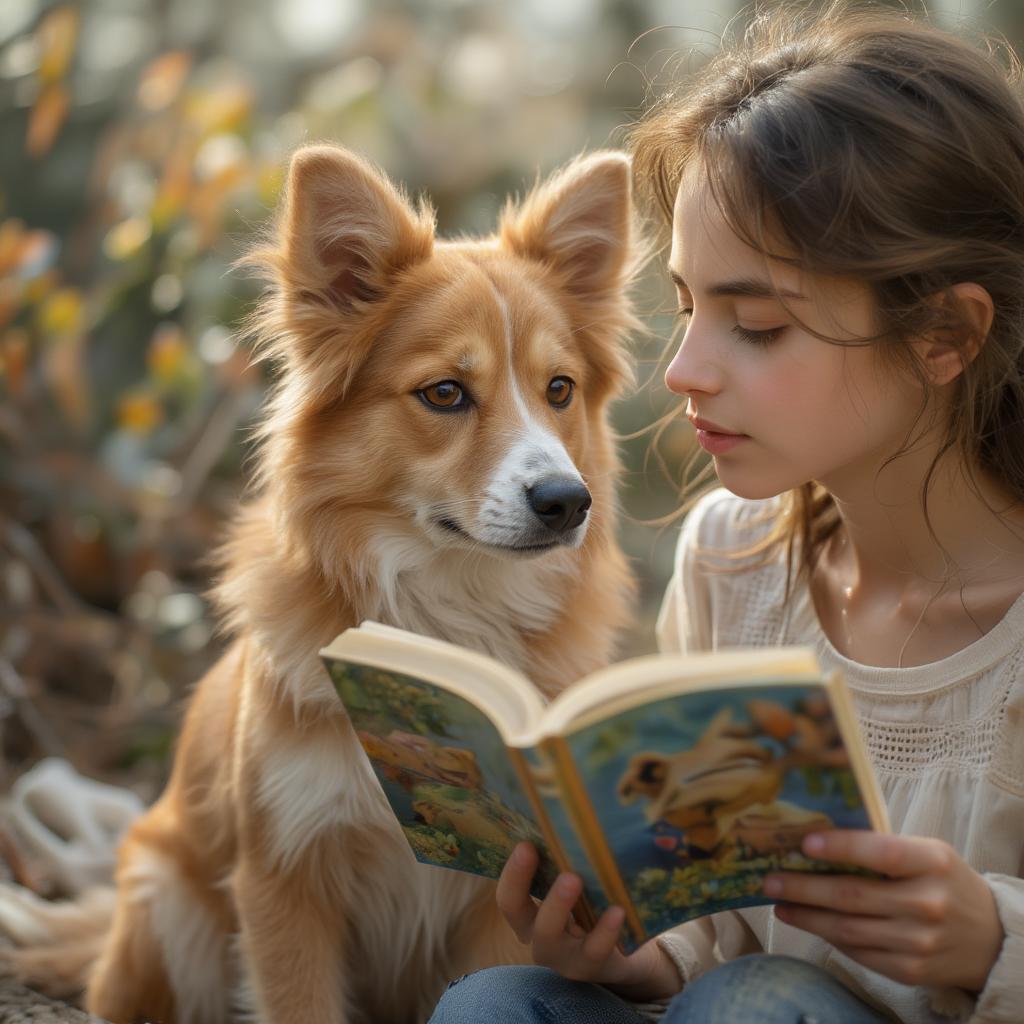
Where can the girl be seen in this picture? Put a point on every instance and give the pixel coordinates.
(846, 197)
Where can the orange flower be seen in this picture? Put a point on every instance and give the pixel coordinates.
(46, 119)
(161, 81)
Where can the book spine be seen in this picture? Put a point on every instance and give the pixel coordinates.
(526, 776)
(540, 813)
(590, 834)
(860, 764)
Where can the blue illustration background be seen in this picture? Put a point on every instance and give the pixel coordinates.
(667, 885)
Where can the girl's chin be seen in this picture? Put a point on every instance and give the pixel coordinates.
(743, 486)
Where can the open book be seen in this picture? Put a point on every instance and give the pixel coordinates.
(671, 784)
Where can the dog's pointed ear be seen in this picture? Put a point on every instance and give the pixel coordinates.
(346, 229)
(580, 222)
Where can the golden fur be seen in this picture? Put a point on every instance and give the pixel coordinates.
(270, 877)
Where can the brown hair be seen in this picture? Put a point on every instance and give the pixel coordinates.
(866, 143)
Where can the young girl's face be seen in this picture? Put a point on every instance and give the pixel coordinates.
(774, 405)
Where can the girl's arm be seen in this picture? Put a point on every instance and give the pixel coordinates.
(559, 943)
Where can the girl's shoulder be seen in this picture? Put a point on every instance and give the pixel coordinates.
(728, 587)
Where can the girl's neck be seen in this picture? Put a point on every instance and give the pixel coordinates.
(970, 526)
(899, 585)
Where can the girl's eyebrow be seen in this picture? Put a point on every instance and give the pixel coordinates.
(745, 286)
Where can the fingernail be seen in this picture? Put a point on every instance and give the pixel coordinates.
(814, 844)
(615, 917)
(565, 884)
(773, 887)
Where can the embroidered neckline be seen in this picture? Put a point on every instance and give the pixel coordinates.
(955, 669)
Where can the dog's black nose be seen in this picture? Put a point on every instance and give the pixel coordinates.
(561, 502)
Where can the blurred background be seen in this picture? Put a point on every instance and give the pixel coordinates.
(142, 142)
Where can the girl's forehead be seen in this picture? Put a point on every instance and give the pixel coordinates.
(711, 260)
(705, 246)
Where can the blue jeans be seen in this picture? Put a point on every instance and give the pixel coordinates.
(760, 989)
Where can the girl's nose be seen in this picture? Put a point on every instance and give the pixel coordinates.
(693, 370)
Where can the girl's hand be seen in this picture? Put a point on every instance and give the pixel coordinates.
(932, 921)
(559, 943)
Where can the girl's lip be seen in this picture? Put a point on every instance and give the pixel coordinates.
(713, 428)
(716, 442)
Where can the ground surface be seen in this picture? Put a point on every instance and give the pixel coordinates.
(20, 1005)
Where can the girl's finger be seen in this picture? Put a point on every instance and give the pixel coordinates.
(850, 894)
(554, 915)
(603, 938)
(850, 931)
(891, 855)
(513, 895)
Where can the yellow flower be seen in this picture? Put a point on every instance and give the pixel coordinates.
(139, 412)
(168, 352)
(224, 107)
(124, 240)
(57, 34)
(63, 313)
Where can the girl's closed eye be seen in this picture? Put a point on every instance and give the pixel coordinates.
(757, 337)
(750, 335)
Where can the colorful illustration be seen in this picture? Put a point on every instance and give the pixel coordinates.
(725, 788)
(406, 757)
(697, 796)
(443, 768)
(700, 795)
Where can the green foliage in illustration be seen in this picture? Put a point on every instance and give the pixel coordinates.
(839, 782)
(700, 887)
(377, 699)
(608, 743)
(469, 829)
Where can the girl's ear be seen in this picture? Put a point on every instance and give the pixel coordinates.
(579, 221)
(346, 230)
(945, 359)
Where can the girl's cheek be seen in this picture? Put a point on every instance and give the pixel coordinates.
(769, 388)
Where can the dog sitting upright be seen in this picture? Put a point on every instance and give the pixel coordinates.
(436, 455)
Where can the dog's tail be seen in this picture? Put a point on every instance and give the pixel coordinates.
(53, 946)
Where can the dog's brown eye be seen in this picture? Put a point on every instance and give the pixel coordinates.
(560, 391)
(447, 394)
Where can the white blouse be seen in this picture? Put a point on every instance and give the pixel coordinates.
(946, 740)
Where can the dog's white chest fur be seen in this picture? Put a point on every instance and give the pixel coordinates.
(473, 600)
(479, 603)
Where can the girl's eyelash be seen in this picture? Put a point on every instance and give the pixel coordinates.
(743, 333)
(756, 337)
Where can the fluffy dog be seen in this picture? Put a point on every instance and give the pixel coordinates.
(436, 455)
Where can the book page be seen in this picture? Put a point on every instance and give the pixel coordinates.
(642, 680)
(506, 696)
(444, 768)
(701, 794)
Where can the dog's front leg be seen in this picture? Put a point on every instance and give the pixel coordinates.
(292, 941)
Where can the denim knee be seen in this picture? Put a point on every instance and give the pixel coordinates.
(529, 995)
(769, 989)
